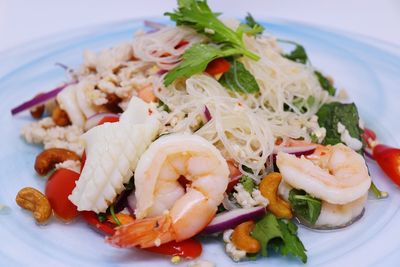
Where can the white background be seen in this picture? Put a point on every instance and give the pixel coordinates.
(22, 21)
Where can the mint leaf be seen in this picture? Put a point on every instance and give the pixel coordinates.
(238, 79)
(331, 113)
(248, 183)
(304, 205)
(265, 230)
(325, 83)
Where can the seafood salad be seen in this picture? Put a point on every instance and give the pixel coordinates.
(207, 127)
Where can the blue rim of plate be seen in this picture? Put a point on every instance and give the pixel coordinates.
(35, 53)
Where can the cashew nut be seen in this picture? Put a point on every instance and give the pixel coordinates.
(60, 117)
(269, 187)
(31, 199)
(46, 160)
(242, 240)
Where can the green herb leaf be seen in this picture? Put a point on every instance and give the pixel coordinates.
(247, 182)
(253, 27)
(298, 54)
(238, 79)
(115, 218)
(102, 216)
(265, 230)
(280, 235)
(331, 113)
(195, 60)
(304, 205)
(292, 245)
(325, 83)
(198, 15)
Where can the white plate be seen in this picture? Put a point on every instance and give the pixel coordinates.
(370, 74)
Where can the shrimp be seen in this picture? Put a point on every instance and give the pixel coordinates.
(165, 210)
(332, 216)
(336, 174)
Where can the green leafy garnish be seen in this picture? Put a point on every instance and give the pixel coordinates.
(247, 182)
(331, 113)
(255, 27)
(304, 205)
(325, 83)
(163, 106)
(238, 79)
(198, 15)
(280, 235)
(102, 216)
(377, 192)
(299, 54)
(115, 218)
(196, 59)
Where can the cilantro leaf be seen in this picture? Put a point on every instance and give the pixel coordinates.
(298, 54)
(304, 205)
(325, 83)
(195, 60)
(238, 79)
(254, 27)
(265, 230)
(280, 235)
(292, 245)
(247, 182)
(331, 113)
(198, 15)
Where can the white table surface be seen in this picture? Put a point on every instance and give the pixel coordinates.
(22, 21)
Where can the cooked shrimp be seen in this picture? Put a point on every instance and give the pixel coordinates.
(336, 174)
(166, 210)
(332, 215)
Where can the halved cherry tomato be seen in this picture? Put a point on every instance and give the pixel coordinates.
(368, 136)
(58, 188)
(103, 228)
(217, 66)
(234, 175)
(110, 119)
(188, 248)
(388, 159)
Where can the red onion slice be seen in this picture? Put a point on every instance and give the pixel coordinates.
(231, 219)
(207, 113)
(96, 118)
(296, 150)
(39, 100)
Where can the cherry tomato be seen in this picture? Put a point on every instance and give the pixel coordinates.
(368, 136)
(188, 248)
(388, 159)
(58, 188)
(103, 228)
(110, 119)
(217, 66)
(234, 175)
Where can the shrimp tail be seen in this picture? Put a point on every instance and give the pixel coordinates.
(143, 233)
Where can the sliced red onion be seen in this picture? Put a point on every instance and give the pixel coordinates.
(230, 219)
(154, 25)
(161, 72)
(96, 118)
(368, 153)
(296, 150)
(207, 113)
(39, 100)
